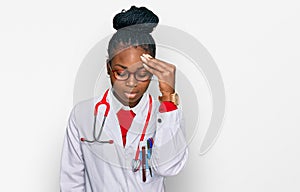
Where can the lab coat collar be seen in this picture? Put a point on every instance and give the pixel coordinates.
(117, 105)
(135, 131)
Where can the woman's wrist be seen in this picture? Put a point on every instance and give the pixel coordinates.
(167, 93)
(171, 97)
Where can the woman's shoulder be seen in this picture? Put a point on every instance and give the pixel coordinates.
(85, 105)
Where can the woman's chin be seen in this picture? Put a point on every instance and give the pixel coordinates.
(131, 100)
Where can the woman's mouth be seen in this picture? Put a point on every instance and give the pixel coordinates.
(130, 95)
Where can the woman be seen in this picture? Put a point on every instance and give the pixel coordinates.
(142, 140)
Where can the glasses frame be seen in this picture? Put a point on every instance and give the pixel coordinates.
(129, 74)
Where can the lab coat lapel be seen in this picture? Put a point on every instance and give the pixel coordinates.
(136, 129)
(112, 128)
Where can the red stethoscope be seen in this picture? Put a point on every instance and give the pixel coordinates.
(107, 108)
(136, 161)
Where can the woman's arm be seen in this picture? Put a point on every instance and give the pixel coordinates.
(170, 151)
(72, 163)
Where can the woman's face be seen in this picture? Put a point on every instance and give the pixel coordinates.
(130, 91)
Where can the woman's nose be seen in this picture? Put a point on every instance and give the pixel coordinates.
(131, 81)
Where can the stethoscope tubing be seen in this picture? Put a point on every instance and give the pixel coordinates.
(96, 138)
(107, 108)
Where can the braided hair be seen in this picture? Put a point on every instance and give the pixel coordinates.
(133, 29)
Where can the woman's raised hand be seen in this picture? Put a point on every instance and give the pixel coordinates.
(165, 72)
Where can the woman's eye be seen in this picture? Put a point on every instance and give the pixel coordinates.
(142, 73)
(121, 73)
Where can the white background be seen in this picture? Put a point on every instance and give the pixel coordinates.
(254, 43)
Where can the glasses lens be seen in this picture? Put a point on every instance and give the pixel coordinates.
(142, 75)
(121, 74)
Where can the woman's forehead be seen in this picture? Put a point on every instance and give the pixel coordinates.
(129, 57)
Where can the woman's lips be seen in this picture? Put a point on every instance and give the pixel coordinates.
(130, 95)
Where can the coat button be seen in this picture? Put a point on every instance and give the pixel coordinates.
(159, 120)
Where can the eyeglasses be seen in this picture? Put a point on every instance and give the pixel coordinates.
(123, 74)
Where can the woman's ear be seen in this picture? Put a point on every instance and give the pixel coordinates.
(108, 66)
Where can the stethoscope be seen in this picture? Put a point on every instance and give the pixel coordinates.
(96, 138)
(103, 101)
(136, 162)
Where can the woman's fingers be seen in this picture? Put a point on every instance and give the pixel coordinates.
(155, 63)
(164, 71)
(151, 70)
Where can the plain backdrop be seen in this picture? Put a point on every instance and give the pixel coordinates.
(255, 44)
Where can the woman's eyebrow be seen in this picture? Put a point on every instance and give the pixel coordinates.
(124, 67)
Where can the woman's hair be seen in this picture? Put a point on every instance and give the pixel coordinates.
(133, 29)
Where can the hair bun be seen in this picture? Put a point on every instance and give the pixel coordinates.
(136, 19)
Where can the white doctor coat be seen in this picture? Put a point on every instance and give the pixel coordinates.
(94, 167)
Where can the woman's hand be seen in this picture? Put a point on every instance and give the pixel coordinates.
(165, 73)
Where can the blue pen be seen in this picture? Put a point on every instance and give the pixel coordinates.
(149, 146)
(148, 151)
